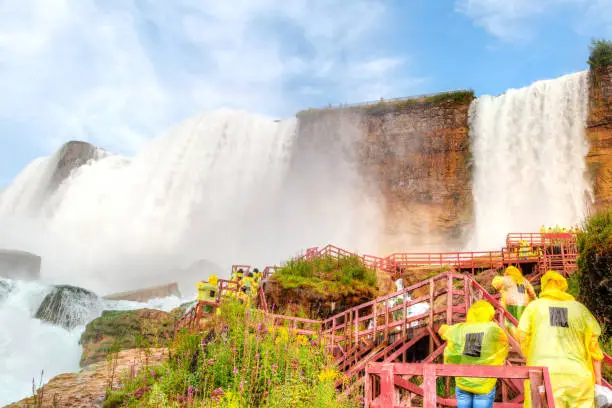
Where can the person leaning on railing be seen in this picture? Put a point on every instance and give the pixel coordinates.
(557, 332)
(477, 341)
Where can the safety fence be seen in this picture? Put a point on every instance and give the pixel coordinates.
(538, 239)
(389, 385)
(444, 298)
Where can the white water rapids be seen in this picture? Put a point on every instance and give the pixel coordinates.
(29, 346)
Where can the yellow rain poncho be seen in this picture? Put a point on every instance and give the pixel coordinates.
(478, 341)
(516, 291)
(560, 333)
(207, 291)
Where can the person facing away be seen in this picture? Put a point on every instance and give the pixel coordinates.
(516, 293)
(557, 332)
(477, 341)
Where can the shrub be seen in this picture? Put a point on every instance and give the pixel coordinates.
(601, 54)
(327, 274)
(240, 360)
(595, 264)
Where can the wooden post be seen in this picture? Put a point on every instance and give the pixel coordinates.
(356, 327)
(431, 313)
(386, 339)
(387, 386)
(429, 386)
(449, 299)
(404, 315)
(375, 342)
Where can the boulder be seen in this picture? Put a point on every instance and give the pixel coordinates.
(19, 265)
(121, 330)
(69, 306)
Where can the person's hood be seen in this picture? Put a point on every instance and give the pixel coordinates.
(480, 312)
(515, 274)
(554, 286)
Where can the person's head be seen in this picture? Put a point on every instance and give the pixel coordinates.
(480, 312)
(552, 280)
(249, 275)
(255, 270)
(514, 273)
(212, 279)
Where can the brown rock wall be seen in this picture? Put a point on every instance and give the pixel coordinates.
(417, 158)
(599, 133)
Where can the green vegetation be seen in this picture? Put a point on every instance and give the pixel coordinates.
(239, 360)
(327, 275)
(601, 54)
(463, 97)
(122, 330)
(595, 263)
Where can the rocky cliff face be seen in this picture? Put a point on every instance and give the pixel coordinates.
(415, 154)
(599, 132)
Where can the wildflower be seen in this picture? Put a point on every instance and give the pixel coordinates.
(152, 373)
(235, 370)
(327, 374)
(241, 386)
(302, 340)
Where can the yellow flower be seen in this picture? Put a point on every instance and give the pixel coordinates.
(302, 340)
(328, 374)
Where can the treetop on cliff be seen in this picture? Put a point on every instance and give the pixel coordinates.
(601, 54)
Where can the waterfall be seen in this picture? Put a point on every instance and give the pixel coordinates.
(529, 149)
(224, 186)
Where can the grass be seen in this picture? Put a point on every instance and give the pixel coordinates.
(326, 274)
(381, 107)
(238, 361)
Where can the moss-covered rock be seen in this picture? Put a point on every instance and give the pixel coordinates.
(120, 330)
(321, 286)
(69, 306)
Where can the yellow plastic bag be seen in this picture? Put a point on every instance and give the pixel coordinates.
(560, 333)
(478, 341)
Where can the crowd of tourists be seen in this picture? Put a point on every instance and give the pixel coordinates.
(554, 331)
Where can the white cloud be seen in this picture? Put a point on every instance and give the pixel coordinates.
(116, 72)
(517, 20)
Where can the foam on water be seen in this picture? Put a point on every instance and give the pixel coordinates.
(29, 346)
(529, 149)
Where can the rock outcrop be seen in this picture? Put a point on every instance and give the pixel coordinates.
(19, 265)
(71, 156)
(87, 388)
(599, 133)
(143, 295)
(415, 154)
(121, 330)
(69, 306)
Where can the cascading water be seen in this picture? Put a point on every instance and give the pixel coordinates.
(29, 345)
(529, 150)
(220, 187)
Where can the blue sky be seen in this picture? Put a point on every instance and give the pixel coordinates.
(118, 72)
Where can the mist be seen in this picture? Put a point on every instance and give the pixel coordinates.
(223, 187)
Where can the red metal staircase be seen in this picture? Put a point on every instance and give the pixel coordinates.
(379, 345)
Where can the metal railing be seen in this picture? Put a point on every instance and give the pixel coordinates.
(387, 385)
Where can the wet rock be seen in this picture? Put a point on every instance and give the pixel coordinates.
(69, 306)
(120, 330)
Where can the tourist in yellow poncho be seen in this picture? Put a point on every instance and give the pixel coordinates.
(560, 333)
(516, 293)
(477, 341)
